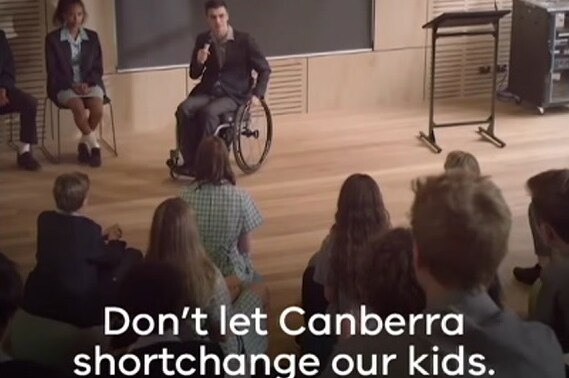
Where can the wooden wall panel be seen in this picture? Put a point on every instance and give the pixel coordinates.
(365, 80)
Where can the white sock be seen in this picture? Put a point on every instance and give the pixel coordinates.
(90, 140)
(24, 147)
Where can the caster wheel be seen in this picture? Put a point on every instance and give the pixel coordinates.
(541, 110)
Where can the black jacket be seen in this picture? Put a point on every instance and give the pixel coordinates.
(58, 62)
(7, 69)
(242, 56)
(67, 280)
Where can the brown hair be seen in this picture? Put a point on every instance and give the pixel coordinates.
(212, 162)
(214, 4)
(361, 214)
(63, 7)
(550, 198)
(70, 191)
(174, 239)
(462, 160)
(461, 225)
(387, 280)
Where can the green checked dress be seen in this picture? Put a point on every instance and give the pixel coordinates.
(225, 212)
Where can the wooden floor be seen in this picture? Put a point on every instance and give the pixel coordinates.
(297, 188)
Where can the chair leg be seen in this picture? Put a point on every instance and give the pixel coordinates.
(58, 135)
(113, 148)
(11, 142)
(42, 146)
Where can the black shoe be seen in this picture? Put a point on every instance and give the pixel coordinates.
(27, 162)
(83, 154)
(527, 276)
(95, 160)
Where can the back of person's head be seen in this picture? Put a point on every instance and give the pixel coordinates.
(63, 6)
(70, 191)
(462, 160)
(11, 291)
(214, 4)
(461, 224)
(387, 281)
(549, 192)
(360, 214)
(152, 288)
(174, 238)
(212, 162)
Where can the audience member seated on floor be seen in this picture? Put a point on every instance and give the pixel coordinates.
(386, 281)
(461, 225)
(174, 239)
(11, 291)
(14, 100)
(462, 160)
(542, 250)
(466, 161)
(329, 281)
(226, 214)
(550, 198)
(360, 215)
(78, 265)
(155, 288)
(75, 74)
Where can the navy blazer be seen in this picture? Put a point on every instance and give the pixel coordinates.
(60, 69)
(241, 58)
(7, 68)
(71, 258)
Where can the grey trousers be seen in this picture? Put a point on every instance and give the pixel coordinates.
(198, 116)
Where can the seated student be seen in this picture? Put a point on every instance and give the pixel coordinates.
(226, 215)
(77, 263)
(174, 239)
(550, 198)
(14, 100)
(386, 279)
(157, 288)
(75, 74)
(11, 290)
(466, 161)
(360, 215)
(462, 160)
(461, 225)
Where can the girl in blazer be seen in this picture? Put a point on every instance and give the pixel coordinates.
(75, 74)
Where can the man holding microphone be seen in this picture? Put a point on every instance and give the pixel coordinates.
(224, 59)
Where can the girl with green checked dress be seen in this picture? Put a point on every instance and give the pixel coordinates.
(226, 216)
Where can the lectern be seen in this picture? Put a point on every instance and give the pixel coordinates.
(454, 20)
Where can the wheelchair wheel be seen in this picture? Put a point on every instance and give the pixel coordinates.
(253, 137)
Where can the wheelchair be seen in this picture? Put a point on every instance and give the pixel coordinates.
(242, 130)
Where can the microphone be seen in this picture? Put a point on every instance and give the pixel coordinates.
(207, 45)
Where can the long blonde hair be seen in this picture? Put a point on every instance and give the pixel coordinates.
(174, 239)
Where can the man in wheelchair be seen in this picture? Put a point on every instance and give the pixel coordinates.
(224, 59)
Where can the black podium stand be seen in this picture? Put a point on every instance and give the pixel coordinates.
(464, 19)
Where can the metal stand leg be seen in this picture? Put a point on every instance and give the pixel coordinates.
(430, 139)
(488, 133)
